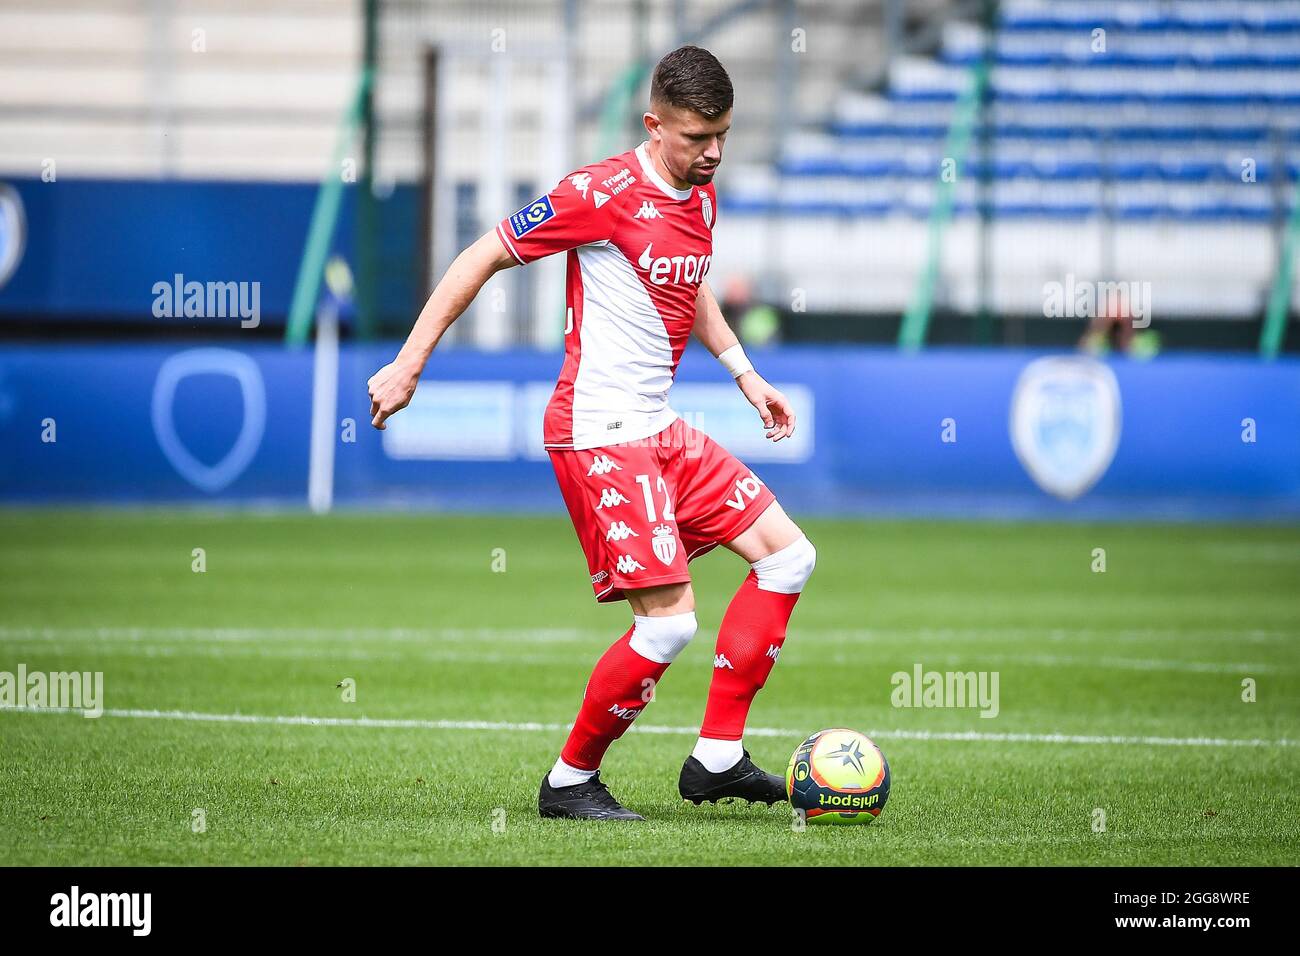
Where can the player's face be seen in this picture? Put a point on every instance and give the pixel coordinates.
(689, 144)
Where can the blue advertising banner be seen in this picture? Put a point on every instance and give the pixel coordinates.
(963, 433)
(173, 252)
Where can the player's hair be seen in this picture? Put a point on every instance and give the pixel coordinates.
(692, 78)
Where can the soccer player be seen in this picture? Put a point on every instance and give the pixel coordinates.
(646, 491)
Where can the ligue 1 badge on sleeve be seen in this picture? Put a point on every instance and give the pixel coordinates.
(1065, 423)
(531, 216)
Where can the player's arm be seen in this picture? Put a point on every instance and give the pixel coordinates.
(393, 385)
(715, 335)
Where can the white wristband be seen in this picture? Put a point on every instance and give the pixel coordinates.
(735, 361)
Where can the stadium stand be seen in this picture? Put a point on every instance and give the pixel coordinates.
(1148, 141)
(1158, 140)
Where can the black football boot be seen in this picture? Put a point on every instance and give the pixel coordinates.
(590, 800)
(744, 781)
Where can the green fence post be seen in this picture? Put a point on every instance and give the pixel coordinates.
(916, 320)
(324, 217)
(1279, 301)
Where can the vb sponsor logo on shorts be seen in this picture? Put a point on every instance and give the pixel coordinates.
(746, 491)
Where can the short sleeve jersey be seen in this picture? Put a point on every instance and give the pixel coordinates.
(638, 249)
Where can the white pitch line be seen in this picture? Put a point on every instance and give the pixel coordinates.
(328, 654)
(262, 643)
(241, 635)
(1114, 663)
(260, 637)
(1088, 635)
(491, 725)
(561, 634)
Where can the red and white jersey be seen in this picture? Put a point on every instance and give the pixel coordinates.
(638, 251)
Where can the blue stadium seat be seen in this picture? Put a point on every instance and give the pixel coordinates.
(1191, 111)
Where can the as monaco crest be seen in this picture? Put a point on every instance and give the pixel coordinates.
(1065, 423)
(665, 544)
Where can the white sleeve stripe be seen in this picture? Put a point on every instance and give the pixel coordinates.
(509, 247)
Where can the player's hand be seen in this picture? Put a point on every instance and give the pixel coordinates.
(391, 389)
(773, 407)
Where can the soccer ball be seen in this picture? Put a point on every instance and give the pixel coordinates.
(838, 776)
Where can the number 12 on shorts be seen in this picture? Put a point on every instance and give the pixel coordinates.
(660, 485)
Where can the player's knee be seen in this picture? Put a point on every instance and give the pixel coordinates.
(788, 570)
(661, 639)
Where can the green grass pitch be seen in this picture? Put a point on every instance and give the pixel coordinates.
(1152, 653)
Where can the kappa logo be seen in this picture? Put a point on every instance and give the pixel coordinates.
(773, 651)
(721, 661)
(581, 182)
(675, 269)
(746, 488)
(611, 498)
(664, 543)
(601, 465)
(628, 564)
(624, 713)
(619, 531)
(600, 577)
(648, 211)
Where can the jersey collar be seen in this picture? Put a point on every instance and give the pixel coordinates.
(648, 167)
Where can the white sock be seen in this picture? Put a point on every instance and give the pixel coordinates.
(562, 775)
(717, 755)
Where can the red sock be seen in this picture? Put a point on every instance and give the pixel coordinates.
(749, 640)
(620, 686)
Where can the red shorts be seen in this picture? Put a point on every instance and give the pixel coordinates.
(644, 508)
